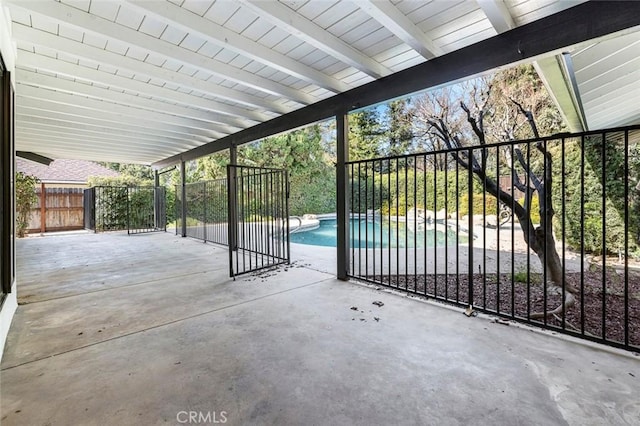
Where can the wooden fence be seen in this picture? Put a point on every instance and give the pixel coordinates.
(58, 209)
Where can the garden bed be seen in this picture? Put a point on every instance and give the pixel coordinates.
(594, 310)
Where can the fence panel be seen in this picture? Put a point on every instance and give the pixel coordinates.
(542, 231)
(258, 218)
(141, 209)
(206, 207)
(135, 209)
(57, 209)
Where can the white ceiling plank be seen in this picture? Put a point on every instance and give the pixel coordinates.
(47, 108)
(224, 123)
(309, 32)
(498, 14)
(38, 145)
(134, 67)
(225, 38)
(57, 148)
(92, 104)
(390, 17)
(81, 139)
(23, 113)
(123, 138)
(105, 9)
(39, 80)
(89, 23)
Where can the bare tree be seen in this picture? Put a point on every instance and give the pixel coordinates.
(444, 119)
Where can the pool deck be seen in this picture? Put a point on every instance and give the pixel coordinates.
(147, 329)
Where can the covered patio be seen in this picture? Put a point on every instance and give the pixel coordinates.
(149, 329)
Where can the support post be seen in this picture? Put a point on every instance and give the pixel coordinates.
(43, 208)
(342, 191)
(233, 155)
(156, 200)
(183, 206)
(470, 207)
(232, 236)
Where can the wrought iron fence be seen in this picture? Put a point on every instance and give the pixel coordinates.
(115, 208)
(206, 211)
(146, 209)
(545, 231)
(258, 219)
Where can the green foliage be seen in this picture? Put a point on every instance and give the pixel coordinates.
(211, 167)
(399, 132)
(124, 181)
(119, 207)
(171, 205)
(302, 154)
(26, 198)
(140, 172)
(482, 204)
(111, 208)
(584, 195)
(365, 134)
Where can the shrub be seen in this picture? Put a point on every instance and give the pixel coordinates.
(26, 198)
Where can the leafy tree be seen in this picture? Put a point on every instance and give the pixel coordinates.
(123, 180)
(26, 198)
(365, 134)
(399, 131)
(212, 167)
(507, 110)
(301, 152)
(137, 171)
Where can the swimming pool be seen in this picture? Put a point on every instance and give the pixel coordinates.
(376, 234)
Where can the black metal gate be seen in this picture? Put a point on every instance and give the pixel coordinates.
(206, 210)
(146, 209)
(258, 218)
(137, 209)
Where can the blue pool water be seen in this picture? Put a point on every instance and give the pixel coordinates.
(378, 234)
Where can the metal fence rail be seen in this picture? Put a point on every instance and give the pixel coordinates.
(146, 209)
(117, 208)
(428, 224)
(258, 219)
(206, 209)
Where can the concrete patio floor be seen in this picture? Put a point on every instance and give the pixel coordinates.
(149, 329)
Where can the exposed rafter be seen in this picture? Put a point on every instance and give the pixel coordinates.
(128, 112)
(39, 106)
(576, 25)
(395, 21)
(551, 70)
(311, 33)
(181, 79)
(224, 123)
(44, 81)
(91, 129)
(83, 21)
(498, 14)
(84, 51)
(27, 114)
(190, 22)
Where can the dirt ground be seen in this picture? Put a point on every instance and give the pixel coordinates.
(501, 294)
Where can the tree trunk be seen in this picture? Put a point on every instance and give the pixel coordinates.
(550, 259)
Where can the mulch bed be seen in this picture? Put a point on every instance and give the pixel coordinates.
(496, 294)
